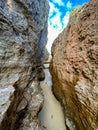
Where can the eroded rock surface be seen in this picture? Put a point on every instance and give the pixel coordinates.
(74, 68)
(23, 35)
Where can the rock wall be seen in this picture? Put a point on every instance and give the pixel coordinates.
(23, 35)
(74, 68)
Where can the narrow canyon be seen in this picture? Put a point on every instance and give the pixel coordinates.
(43, 92)
(51, 115)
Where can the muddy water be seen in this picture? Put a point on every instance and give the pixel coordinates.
(51, 116)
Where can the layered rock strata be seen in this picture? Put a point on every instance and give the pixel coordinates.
(74, 68)
(23, 35)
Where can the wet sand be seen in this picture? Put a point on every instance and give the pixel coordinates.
(51, 116)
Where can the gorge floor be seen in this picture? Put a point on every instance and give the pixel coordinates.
(51, 115)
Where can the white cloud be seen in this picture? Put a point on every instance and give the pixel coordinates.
(52, 34)
(56, 24)
(53, 9)
(66, 18)
(59, 2)
(56, 21)
(69, 5)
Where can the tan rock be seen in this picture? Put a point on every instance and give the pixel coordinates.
(74, 68)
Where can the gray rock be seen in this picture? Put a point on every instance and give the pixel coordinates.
(23, 35)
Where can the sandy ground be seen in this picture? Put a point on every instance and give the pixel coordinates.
(51, 116)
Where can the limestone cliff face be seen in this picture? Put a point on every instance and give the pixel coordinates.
(23, 35)
(74, 68)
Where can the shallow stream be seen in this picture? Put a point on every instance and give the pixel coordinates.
(51, 116)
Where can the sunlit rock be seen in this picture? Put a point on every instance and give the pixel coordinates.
(74, 68)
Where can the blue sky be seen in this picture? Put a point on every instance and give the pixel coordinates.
(59, 17)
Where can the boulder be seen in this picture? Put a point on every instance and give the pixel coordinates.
(23, 36)
(74, 68)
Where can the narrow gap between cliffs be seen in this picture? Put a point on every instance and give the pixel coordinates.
(51, 116)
